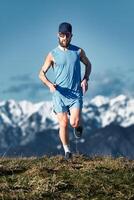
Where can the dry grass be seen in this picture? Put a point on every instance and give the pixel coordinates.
(96, 178)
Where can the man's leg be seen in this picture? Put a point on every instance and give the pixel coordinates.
(63, 131)
(76, 121)
(75, 117)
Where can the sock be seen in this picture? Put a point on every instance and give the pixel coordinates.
(66, 148)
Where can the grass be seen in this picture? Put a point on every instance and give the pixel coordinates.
(83, 178)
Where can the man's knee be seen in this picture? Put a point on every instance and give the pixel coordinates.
(63, 120)
(74, 123)
(63, 123)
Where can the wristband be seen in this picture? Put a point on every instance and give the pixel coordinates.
(86, 78)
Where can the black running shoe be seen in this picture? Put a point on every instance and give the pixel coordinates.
(68, 155)
(78, 132)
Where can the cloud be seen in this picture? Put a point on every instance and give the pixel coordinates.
(25, 86)
(112, 83)
(23, 78)
(24, 83)
(32, 89)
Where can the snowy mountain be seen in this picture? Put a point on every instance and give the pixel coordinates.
(22, 122)
(119, 110)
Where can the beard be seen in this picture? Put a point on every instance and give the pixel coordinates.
(64, 44)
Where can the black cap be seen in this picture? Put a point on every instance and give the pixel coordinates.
(65, 27)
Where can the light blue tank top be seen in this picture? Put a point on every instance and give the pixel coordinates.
(67, 70)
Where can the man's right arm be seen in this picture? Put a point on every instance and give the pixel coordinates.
(42, 74)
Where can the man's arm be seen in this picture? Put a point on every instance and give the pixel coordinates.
(86, 62)
(42, 74)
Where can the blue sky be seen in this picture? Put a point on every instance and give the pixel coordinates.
(28, 31)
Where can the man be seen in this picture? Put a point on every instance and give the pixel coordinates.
(68, 88)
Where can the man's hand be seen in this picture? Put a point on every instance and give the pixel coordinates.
(52, 87)
(84, 85)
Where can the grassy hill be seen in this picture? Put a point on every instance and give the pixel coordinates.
(95, 178)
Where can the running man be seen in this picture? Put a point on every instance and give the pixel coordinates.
(68, 87)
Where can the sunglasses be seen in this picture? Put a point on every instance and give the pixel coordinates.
(67, 34)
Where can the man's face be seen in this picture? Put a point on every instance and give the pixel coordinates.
(64, 39)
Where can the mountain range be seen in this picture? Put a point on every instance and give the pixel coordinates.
(31, 129)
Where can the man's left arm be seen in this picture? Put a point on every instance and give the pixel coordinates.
(86, 62)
